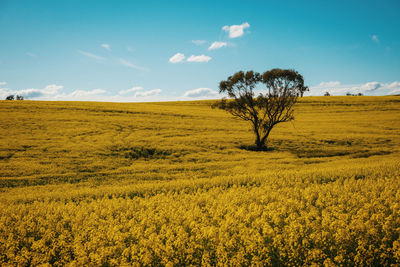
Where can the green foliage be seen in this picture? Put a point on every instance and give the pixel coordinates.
(265, 110)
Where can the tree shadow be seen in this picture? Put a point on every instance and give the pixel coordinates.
(255, 148)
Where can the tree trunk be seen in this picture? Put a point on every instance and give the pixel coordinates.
(263, 140)
(258, 142)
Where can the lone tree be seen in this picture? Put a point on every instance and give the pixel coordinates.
(265, 110)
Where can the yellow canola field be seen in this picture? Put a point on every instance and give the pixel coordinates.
(111, 184)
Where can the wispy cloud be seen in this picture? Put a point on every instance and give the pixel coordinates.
(131, 65)
(375, 38)
(199, 42)
(236, 30)
(106, 46)
(201, 58)
(217, 45)
(31, 54)
(90, 55)
(178, 57)
(153, 92)
(3, 83)
(201, 93)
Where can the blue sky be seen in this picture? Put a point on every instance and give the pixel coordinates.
(177, 50)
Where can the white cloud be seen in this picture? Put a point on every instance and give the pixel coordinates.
(153, 92)
(82, 93)
(216, 45)
(100, 95)
(52, 92)
(4, 92)
(201, 58)
(201, 93)
(199, 42)
(178, 57)
(106, 46)
(369, 88)
(394, 85)
(138, 92)
(395, 92)
(129, 64)
(55, 92)
(49, 92)
(375, 38)
(91, 55)
(31, 54)
(236, 30)
(131, 90)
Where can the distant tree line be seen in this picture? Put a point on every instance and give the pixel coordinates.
(348, 94)
(15, 97)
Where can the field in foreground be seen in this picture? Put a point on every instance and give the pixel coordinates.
(171, 184)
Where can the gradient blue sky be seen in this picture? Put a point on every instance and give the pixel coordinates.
(121, 50)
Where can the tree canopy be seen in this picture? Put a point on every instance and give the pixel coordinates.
(270, 107)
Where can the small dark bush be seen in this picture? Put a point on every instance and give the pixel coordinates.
(142, 152)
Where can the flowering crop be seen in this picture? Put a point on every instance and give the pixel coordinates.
(189, 193)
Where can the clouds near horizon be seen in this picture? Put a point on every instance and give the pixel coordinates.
(56, 92)
(138, 93)
(201, 93)
(369, 88)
